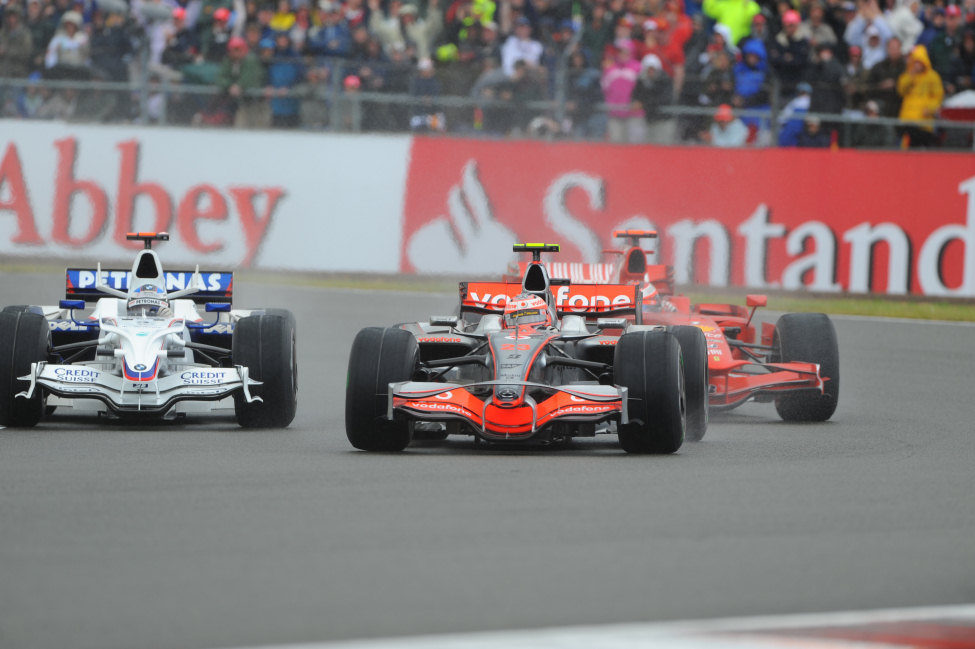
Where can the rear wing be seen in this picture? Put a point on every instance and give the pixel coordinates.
(574, 272)
(635, 235)
(589, 300)
(80, 284)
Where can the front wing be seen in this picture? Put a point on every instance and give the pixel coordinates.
(430, 401)
(149, 397)
(732, 384)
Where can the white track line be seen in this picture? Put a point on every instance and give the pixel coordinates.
(685, 634)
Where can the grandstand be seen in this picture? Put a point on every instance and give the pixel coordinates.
(813, 73)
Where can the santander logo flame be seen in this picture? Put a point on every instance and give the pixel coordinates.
(467, 237)
(471, 238)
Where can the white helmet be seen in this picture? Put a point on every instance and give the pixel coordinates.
(148, 298)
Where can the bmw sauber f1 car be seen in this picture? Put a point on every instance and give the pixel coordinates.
(794, 362)
(145, 351)
(533, 361)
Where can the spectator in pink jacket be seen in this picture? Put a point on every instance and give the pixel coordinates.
(626, 123)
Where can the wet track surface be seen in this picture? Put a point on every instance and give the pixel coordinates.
(205, 535)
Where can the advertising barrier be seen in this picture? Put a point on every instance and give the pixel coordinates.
(230, 199)
(884, 222)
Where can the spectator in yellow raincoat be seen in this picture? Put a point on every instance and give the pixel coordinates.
(737, 15)
(922, 92)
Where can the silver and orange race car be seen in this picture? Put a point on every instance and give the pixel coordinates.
(794, 363)
(532, 361)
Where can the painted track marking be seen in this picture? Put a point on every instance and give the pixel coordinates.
(839, 630)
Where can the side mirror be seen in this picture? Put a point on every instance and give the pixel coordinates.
(217, 307)
(610, 323)
(71, 304)
(444, 320)
(756, 300)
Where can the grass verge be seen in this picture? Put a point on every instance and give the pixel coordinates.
(953, 310)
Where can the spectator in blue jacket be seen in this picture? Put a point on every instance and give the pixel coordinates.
(813, 136)
(751, 75)
(793, 115)
(332, 37)
(285, 71)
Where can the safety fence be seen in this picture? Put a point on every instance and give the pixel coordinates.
(325, 103)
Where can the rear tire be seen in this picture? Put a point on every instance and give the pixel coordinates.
(694, 349)
(810, 338)
(24, 339)
(379, 357)
(266, 345)
(648, 363)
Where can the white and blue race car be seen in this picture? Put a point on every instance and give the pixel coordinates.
(145, 351)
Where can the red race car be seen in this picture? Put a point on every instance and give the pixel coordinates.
(794, 362)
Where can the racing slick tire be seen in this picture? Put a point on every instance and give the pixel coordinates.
(379, 357)
(810, 338)
(648, 364)
(24, 339)
(266, 344)
(694, 349)
(23, 308)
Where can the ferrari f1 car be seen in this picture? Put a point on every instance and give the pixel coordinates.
(531, 361)
(145, 351)
(794, 362)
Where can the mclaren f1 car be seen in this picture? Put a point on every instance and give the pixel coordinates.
(145, 351)
(794, 363)
(534, 361)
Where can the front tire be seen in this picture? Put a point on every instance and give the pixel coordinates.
(694, 349)
(648, 364)
(266, 344)
(379, 357)
(24, 339)
(809, 338)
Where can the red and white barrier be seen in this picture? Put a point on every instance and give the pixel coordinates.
(886, 222)
(895, 222)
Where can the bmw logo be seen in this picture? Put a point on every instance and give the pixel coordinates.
(139, 368)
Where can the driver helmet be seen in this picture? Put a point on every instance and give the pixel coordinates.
(148, 299)
(527, 309)
(651, 299)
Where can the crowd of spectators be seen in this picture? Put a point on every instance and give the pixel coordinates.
(611, 64)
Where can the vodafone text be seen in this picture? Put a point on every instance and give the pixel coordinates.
(564, 301)
(430, 405)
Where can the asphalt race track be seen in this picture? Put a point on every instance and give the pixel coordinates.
(208, 536)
